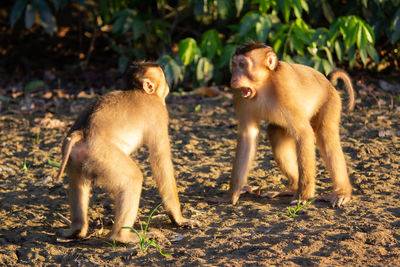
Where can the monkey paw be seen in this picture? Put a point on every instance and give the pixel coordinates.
(74, 233)
(125, 237)
(130, 237)
(335, 200)
(188, 223)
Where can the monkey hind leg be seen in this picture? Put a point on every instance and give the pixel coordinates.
(123, 179)
(79, 191)
(328, 141)
(284, 150)
(126, 208)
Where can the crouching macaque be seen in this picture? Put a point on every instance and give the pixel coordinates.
(97, 148)
(302, 107)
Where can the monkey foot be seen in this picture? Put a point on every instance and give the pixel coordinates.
(227, 199)
(74, 233)
(335, 200)
(132, 237)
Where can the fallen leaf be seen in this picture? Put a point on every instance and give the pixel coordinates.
(45, 180)
(61, 94)
(16, 94)
(47, 95)
(207, 91)
(178, 237)
(7, 169)
(49, 123)
(83, 94)
(63, 31)
(383, 133)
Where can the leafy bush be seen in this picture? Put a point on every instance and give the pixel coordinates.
(194, 40)
(280, 23)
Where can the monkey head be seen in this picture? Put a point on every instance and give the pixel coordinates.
(148, 76)
(154, 82)
(252, 65)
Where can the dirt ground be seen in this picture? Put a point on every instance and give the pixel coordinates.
(256, 231)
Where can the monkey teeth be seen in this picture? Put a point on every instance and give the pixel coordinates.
(246, 92)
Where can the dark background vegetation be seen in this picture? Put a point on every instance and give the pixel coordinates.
(82, 44)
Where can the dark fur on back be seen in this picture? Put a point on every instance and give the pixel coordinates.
(136, 71)
(248, 46)
(83, 119)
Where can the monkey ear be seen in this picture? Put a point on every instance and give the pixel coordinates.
(271, 60)
(148, 86)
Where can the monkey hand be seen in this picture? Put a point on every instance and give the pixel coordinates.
(188, 223)
(335, 200)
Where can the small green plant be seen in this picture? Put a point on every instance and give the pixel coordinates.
(144, 242)
(53, 163)
(292, 212)
(37, 140)
(25, 166)
(113, 244)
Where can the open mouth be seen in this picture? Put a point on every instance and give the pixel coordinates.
(246, 92)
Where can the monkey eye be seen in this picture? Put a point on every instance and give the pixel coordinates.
(242, 64)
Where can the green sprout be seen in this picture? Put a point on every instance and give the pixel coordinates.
(144, 242)
(292, 212)
(37, 140)
(114, 243)
(25, 166)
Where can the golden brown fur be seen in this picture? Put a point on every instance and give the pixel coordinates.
(302, 108)
(97, 151)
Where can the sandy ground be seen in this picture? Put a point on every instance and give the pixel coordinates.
(256, 231)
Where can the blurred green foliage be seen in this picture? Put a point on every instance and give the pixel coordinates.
(194, 40)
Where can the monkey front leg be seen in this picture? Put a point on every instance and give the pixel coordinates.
(305, 145)
(245, 151)
(161, 164)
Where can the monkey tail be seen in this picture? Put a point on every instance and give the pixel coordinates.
(70, 141)
(344, 76)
